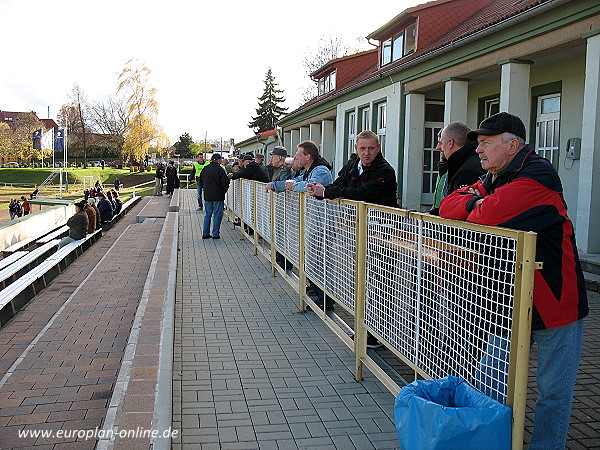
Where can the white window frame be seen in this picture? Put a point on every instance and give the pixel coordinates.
(382, 124)
(389, 54)
(351, 131)
(365, 118)
(542, 132)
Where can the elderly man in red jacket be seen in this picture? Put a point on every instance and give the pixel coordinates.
(523, 191)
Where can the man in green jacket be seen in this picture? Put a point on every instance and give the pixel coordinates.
(198, 166)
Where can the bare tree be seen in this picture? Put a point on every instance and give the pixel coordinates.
(328, 47)
(109, 117)
(76, 117)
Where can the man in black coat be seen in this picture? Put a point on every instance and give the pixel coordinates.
(463, 164)
(215, 184)
(370, 178)
(171, 176)
(250, 170)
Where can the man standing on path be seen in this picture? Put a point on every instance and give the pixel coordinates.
(215, 183)
(198, 166)
(523, 191)
(158, 182)
(171, 176)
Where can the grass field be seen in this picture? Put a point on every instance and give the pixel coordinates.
(27, 178)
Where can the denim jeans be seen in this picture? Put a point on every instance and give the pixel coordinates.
(199, 191)
(559, 351)
(213, 209)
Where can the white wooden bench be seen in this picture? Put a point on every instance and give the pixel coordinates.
(12, 258)
(58, 233)
(24, 243)
(17, 294)
(14, 271)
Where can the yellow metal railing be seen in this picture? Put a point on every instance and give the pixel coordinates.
(439, 294)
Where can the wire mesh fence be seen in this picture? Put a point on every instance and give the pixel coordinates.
(263, 211)
(286, 217)
(330, 247)
(439, 294)
(248, 202)
(442, 297)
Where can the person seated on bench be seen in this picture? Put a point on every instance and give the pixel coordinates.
(77, 224)
(105, 207)
(92, 203)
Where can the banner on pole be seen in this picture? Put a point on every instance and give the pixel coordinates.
(37, 139)
(59, 140)
(48, 139)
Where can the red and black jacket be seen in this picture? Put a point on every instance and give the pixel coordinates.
(528, 196)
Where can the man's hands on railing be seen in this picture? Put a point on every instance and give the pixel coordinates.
(268, 186)
(315, 189)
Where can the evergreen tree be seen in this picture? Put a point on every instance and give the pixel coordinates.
(269, 109)
(182, 146)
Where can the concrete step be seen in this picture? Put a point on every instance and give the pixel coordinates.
(592, 281)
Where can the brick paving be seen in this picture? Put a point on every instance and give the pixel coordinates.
(74, 335)
(249, 371)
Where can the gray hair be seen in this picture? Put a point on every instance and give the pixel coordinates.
(507, 137)
(458, 132)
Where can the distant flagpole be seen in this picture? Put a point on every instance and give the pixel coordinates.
(53, 136)
(66, 164)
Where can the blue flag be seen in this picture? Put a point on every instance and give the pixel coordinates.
(59, 140)
(37, 139)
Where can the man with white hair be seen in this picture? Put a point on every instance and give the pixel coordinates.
(522, 190)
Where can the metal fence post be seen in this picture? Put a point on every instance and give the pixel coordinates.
(301, 252)
(360, 332)
(254, 214)
(272, 226)
(521, 335)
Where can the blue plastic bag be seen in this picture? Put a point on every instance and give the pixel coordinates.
(450, 414)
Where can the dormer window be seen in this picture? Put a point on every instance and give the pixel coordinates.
(400, 45)
(327, 83)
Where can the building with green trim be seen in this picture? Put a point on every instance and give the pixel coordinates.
(464, 60)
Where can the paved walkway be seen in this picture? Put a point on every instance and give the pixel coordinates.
(62, 353)
(250, 372)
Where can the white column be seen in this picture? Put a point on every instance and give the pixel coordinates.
(295, 140)
(314, 133)
(327, 143)
(304, 133)
(414, 133)
(514, 88)
(287, 139)
(456, 94)
(588, 200)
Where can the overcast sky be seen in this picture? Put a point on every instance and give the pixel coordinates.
(208, 59)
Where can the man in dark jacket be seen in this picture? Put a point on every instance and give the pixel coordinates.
(158, 179)
(78, 225)
(370, 178)
(106, 209)
(463, 167)
(214, 183)
(523, 191)
(250, 170)
(171, 176)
